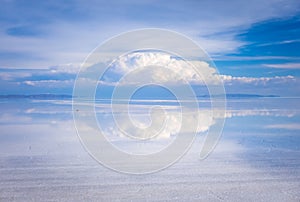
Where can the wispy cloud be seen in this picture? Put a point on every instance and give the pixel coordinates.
(284, 66)
(279, 42)
(287, 126)
(64, 32)
(51, 39)
(49, 83)
(257, 80)
(254, 58)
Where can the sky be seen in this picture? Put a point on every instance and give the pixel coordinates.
(255, 45)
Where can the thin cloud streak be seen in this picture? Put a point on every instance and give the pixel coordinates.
(284, 66)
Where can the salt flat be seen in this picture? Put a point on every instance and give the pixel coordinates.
(257, 159)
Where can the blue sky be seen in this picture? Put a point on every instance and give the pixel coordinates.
(255, 44)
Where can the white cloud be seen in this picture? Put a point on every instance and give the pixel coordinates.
(260, 112)
(228, 79)
(279, 42)
(288, 126)
(12, 75)
(133, 67)
(70, 36)
(251, 58)
(284, 66)
(48, 83)
(69, 68)
(175, 71)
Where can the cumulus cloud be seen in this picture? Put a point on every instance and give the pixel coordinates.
(140, 66)
(174, 70)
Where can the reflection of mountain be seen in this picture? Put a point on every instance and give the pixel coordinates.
(238, 96)
(158, 96)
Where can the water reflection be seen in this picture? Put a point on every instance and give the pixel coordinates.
(48, 122)
(257, 154)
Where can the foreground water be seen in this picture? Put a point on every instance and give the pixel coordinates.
(257, 157)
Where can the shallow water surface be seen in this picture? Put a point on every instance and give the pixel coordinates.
(257, 157)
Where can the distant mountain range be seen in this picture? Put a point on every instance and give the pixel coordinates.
(233, 96)
(65, 96)
(37, 96)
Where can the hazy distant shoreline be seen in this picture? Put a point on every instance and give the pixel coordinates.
(67, 96)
